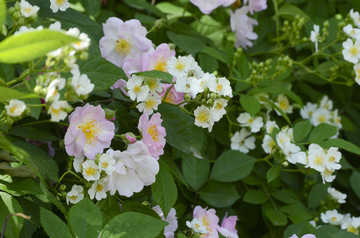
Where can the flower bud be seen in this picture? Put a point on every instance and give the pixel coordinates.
(128, 138)
(110, 114)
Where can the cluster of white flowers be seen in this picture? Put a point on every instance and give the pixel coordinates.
(126, 172)
(347, 222)
(28, 10)
(321, 112)
(351, 51)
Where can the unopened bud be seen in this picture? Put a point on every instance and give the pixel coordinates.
(110, 114)
(128, 138)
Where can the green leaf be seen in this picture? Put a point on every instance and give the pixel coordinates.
(273, 173)
(101, 72)
(165, 77)
(170, 165)
(355, 182)
(250, 104)
(32, 133)
(110, 208)
(85, 219)
(215, 53)
(285, 197)
(189, 44)
(9, 205)
(31, 45)
(181, 132)
(2, 12)
(19, 186)
(255, 196)
(142, 4)
(7, 71)
(299, 229)
(164, 190)
(7, 94)
(219, 194)
(301, 130)
(133, 206)
(208, 63)
(91, 7)
(322, 132)
(277, 90)
(317, 193)
(297, 213)
(289, 12)
(196, 171)
(232, 166)
(276, 217)
(53, 225)
(343, 144)
(133, 225)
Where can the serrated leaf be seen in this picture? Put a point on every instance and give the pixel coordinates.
(165, 77)
(164, 190)
(215, 53)
(255, 196)
(7, 94)
(110, 208)
(189, 44)
(133, 225)
(53, 225)
(85, 219)
(297, 213)
(9, 205)
(273, 173)
(322, 132)
(276, 217)
(196, 171)
(101, 72)
(250, 104)
(208, 63)
(19, 186)
(301, 130)
(219, 194)
(232, 166)
(31, 45)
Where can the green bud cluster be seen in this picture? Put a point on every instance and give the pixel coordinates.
(291, 31)
(18, 19)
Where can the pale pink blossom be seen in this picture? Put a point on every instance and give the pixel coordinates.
(256, 5)
(227, 228)
(134, 169)
(210, 220)
(157, 59)
(243, 26)
(153, 134)
(123, 40)
(207, 6)
(170, 218)
(304, 236)
(89, 132)
(173, 96)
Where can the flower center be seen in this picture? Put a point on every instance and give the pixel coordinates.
(354, 50)
(161, 65)
(332, 159)
(179, 65)
(284, 104)
(99, 188)
(74, 197)
(104, 164)
(123, 47)
(219, 87)
(137, 89)
(219, 106)
(90, 171)
(12, 109)
(333, 219)
(203, 116)
(153, 132)
(60, 2)
(27, 9)
(150, 104)
(352, 229)
(152, 83)
(55, 111)
(91, 130)
(318, 160)
(322, 118)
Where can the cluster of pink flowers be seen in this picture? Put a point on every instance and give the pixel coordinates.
(205, 222)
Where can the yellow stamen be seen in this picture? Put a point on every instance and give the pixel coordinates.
(137, 89)
(91, 130)
(354, 50)
(161, 65)
(104, 164)
(203, 116)
(153, 132)
(179, 65)
(123, 47)
(318, 160)
(99, 187)
(90, 171)
(60, 2)
(219, 87)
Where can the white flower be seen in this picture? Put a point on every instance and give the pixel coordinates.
(57, 110)
(326, 103)
(314, 36)
(338, 196)
(77, 164)
(307, 111)
(327, 175)
(351, 224)
(150, 104)
(84, 42)
(333, 157)
(268, 144)
(204, 117)
(351, 51)
(56, 5)
(75, 195)
(336, 119)
(53, 89)
(197, 225)
(136, 89)
(184, 85)
(23, 29)
(154, 84)
(56, 26)
(316, 157)
(179, 67)
(357, 72)
(270, 125)
(98, 189)
(171, 219)
(320, 115)
(355, 16)
(28, 10)
(220, 86)
(255, 124)
(219, 109)
(297, 157)
(134, 169)
(284, 137)
(81, 83)
(283, 104)
(91, 171)
(332, 217)
(15, 108)
(107, 163)
(199, 85)
(242, 141)
(352, 32)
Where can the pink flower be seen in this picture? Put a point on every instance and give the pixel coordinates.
(89, 132)
(171, 219)
(227, 228)
(157, 59)
(256, 5)
(173, 96)
(134, 169)
(304, 236)
(243, 25)
(209, 219)
(153, 134)
(123, 40)
(207, 6)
